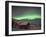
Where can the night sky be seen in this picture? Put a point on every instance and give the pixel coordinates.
(20, 12)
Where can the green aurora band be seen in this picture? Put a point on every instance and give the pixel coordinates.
(28, 15)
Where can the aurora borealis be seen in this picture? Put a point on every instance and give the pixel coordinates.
(30, 13)
(26, 18)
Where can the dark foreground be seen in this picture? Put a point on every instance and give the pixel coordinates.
(26, 25)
